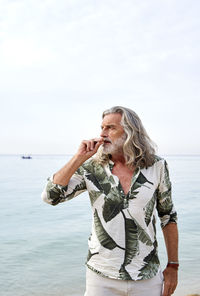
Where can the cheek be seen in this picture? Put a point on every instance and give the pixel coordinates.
(119, 134)
(115, 134)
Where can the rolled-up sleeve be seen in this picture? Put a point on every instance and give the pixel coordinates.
(54, 193)
(165, 206)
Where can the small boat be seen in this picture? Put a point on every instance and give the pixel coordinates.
(26, 157)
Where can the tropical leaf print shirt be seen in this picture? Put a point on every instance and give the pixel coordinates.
(123, 241)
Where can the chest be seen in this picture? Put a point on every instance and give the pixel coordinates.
(125, 177)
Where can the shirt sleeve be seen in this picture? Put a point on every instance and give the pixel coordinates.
(165, 207)
(54, 193)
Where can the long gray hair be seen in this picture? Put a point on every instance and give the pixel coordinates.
(139, 149)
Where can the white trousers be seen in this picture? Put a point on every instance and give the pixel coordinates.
(97, 285)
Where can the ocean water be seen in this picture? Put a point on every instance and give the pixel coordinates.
(43, 248)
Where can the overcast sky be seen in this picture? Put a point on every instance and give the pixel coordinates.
(63, 62)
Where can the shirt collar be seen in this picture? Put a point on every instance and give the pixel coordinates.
(111, 164)
(135, 174)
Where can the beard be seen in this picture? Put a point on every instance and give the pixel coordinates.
(115, 147)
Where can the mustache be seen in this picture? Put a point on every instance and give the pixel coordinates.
(106, 140)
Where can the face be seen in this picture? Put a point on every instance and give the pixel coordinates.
(113, 134)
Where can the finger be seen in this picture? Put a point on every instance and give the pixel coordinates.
(172, 289)
(166, 289)
(96, 143)
(86, 145)
(98, 140)
(89, 143)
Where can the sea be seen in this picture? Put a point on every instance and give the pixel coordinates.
(43, 248)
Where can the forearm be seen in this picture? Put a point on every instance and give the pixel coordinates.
(63, 176)
(170, 273)
(170, 232)
(86, 150)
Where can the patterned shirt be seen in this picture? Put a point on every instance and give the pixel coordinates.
(122, 244)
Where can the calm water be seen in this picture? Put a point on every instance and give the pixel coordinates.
(43, 248)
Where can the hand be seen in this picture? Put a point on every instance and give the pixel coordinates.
(170, 281)
(89, 147)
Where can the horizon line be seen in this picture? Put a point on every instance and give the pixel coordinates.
(68, 154)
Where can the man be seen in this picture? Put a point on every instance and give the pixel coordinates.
(127, 184)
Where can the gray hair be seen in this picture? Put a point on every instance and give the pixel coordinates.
(139, 149)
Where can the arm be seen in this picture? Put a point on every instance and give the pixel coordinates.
(85, 151)
(68, 182)
(170, 232)
(168, 217)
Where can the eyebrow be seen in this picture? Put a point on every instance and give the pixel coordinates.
(108, 125)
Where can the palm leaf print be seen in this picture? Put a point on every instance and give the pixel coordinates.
(94, 195)
(165, 206)
(104, 186)
(79, 188)
(89, 256)
(133, 191)
(154, 226)
(104, 238)
(133, 232)
(151, 264)
(166, 174)
(113, 205)
(124, 275)
(140, 181)
(149, 208)
(94, 180)
(57, 195)
(97, 175)
(111, 179)
(95, 169)
(132, 244)
(142, 235)
(157, 158)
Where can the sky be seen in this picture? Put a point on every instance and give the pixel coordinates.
(63, 62)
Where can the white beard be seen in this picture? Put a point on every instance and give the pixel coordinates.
(114, 147)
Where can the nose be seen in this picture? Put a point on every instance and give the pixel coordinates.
(103, 133)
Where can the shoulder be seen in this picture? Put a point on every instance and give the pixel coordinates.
(93, 168)
(159, 159)
(159, 162)
(87, 166)
(91, 165)
(161, 166)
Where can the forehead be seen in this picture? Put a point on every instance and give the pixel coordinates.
(112, 119)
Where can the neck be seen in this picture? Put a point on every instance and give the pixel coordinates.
(118, 158)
